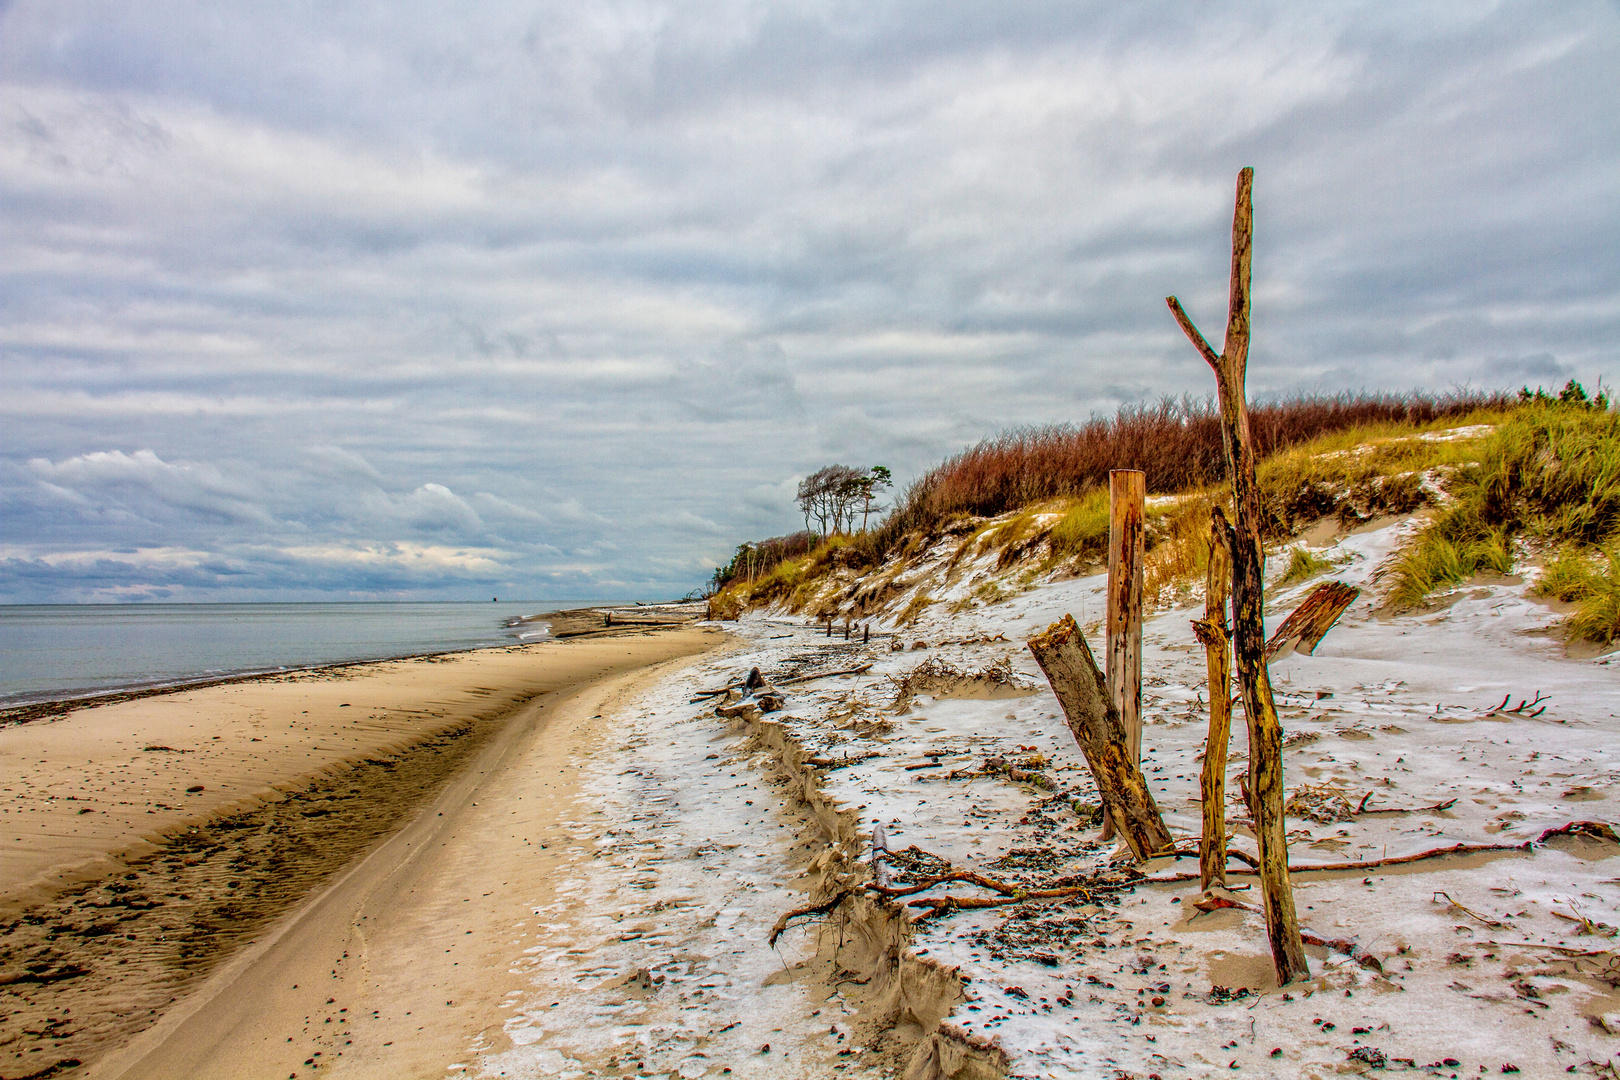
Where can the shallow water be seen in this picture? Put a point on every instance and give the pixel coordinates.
(59, 650)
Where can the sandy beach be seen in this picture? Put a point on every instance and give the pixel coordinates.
(175, 865)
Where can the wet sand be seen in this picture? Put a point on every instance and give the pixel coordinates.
(130, 903)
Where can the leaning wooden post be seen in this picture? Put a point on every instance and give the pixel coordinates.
(1212, 631)
(1081, 689)
(1248, 595)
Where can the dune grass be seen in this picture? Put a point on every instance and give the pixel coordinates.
(1591, 581)
(1083, 532)
(1303, 564)
(1548, 475)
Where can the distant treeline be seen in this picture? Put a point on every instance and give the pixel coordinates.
(1177, 442)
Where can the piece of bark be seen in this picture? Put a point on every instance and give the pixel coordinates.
(1213, 634)
(1304, 629)
(1248, 594)
(1081, 690)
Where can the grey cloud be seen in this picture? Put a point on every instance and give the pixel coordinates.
(581, 288)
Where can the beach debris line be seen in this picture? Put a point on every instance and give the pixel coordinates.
(1248, 595)
(1309, 623)
(1062, 653)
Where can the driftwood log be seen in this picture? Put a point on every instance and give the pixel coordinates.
(1303, 630)
(1213, 633)
(1066, 659)
(1248, 594)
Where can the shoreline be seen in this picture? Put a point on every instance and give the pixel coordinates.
(229, 806)
(577, 622)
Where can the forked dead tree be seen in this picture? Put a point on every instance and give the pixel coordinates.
(1248, 595)
(1213, 633)
(1066, 659)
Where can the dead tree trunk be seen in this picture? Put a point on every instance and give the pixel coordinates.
(1248, 595)
(1080, 688)
(1127, 495)
(1213, 633)
(1304, 630)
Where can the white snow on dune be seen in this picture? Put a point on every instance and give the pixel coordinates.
(1491, 962)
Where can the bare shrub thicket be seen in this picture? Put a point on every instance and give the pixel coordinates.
(1176, 442)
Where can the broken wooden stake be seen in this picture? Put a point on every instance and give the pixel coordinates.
(1213, 634)
(1248, 594)
(1127, 496)
(1303, 630)
(1122, 659)
(1066, 659)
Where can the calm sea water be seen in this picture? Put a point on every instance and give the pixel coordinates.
(60, 650)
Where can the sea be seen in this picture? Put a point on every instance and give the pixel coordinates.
(50, 652)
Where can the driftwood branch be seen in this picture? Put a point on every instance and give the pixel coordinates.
(782, 682)
(1370, 864)
(1347, 946)
(861, 670)
(1081, 690)
(1304, 629)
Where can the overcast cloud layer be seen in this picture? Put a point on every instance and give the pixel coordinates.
(558, 300)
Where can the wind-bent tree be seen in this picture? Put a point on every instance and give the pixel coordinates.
(835, 494)
(828, 495)
(876, 479)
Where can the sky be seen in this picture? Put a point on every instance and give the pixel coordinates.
(559, 300)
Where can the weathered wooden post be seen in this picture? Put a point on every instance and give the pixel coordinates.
(1122, 658)
(1212, 632)
(1248, 595)
(1127, 494)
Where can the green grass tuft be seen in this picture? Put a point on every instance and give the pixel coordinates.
(1598, 618)
(1303, 564)
(1568, 577)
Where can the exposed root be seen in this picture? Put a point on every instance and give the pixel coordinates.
(823, 908)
